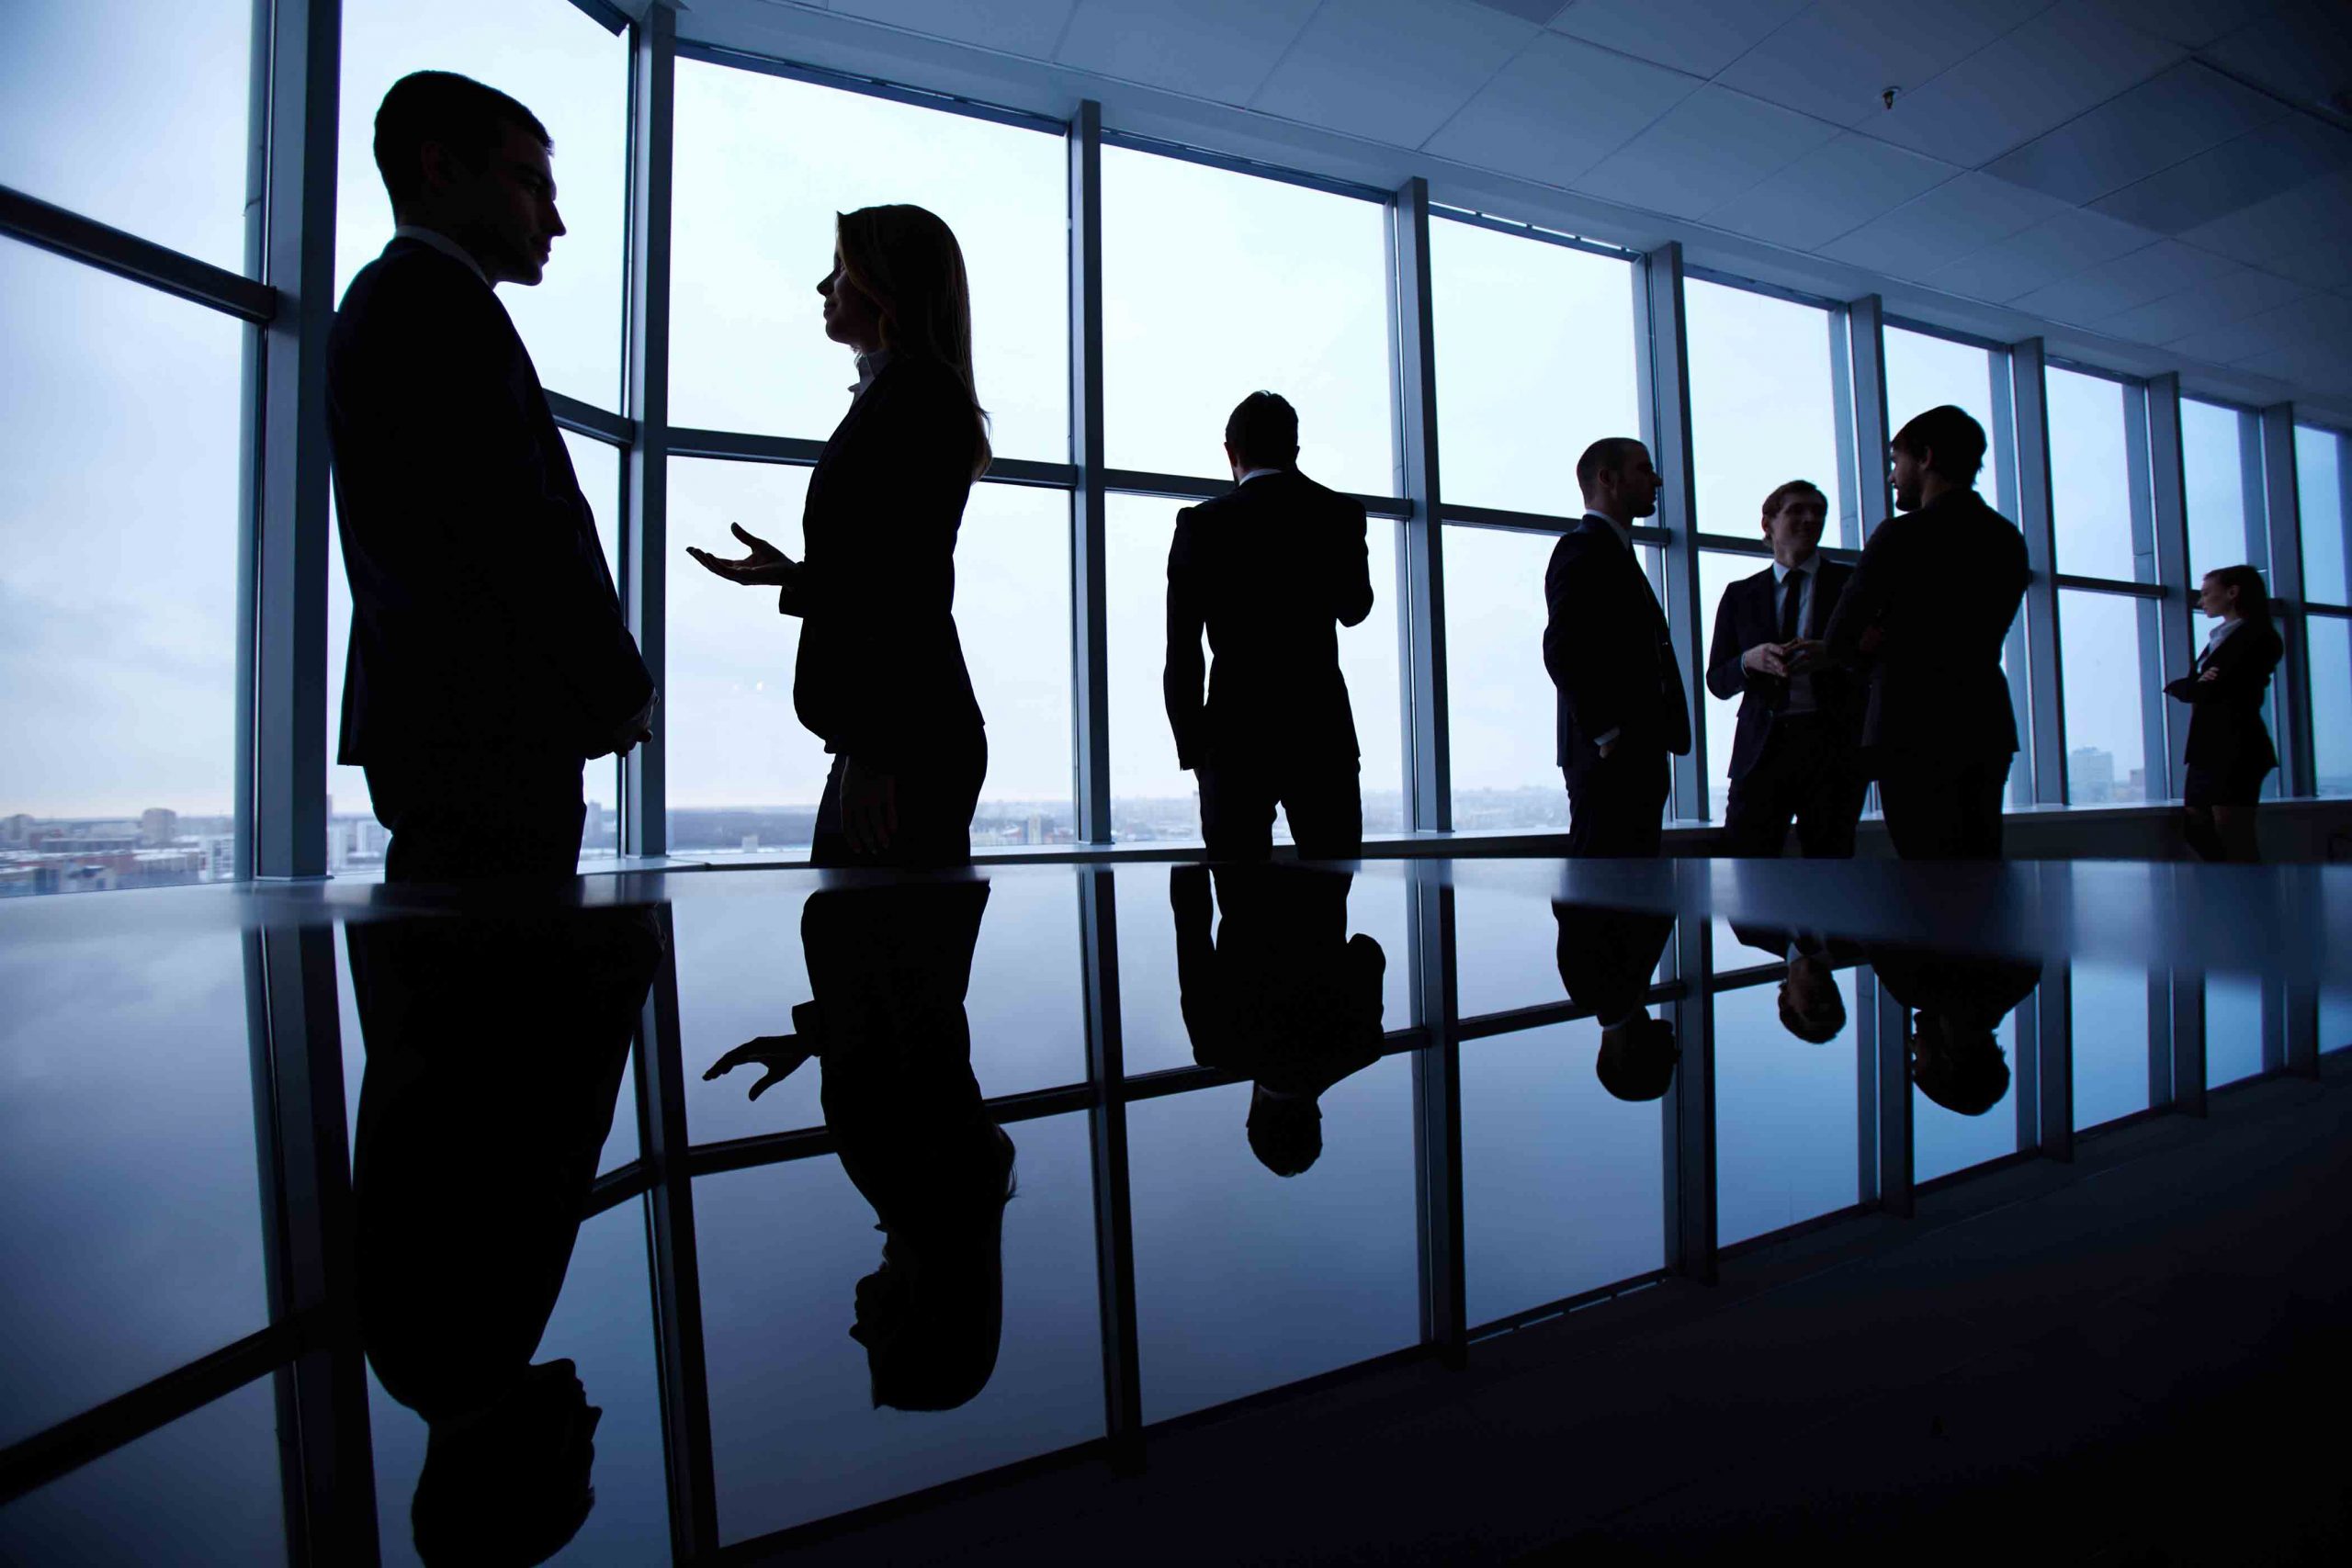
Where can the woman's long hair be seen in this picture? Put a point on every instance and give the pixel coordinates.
(2253, 595)
(908, 261)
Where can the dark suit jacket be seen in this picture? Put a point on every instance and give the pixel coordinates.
(1747, 616)
(1605, 645)
(484, 616)
(1606, 956)
(1976, 991)
(1283, 995)
(1270, 570)
(2225, 729)
(881, 675)
(1941, 585)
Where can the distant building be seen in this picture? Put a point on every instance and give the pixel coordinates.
(2090, 776)
(158, 826)
(2138, 788)
(15, 830)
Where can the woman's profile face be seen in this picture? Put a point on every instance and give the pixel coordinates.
(852, 316)
(2215, 598)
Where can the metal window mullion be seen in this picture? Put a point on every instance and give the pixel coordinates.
(289, 245)
(1890, 1076)
(2283, 507)
(1090, 594)
(1687, 1112)
(2017, 652)
(644, 533)
(1663, 363)
(1867, 415)
(1421, 571)
(1866, 1092)
(2048, 733)
(309, 1221)
(2187, 1014)
(1114, 1249)
(2145, 454)
(2169, 524)
(2051, 1015)
(1437, 1124)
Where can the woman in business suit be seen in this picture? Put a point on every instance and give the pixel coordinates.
(881, 676)
(2229, 747)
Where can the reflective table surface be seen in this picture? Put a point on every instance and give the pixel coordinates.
(666, 1212)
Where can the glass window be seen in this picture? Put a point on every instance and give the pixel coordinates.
(1217, 285)
(1763, 405)
(355, 841)
(2106, 754)
(134, 114)
(1534, 363)
(570, 74)
(1786, 1135)
(1925, 372)
(2319, 485)
(1500, 704)
(1718, 570)
(1561, 1186)
(1151, 798)
(763, 165)
(1246, 1280)
(2090, 476)
(744, 777)
(2331, 646)
(2214, 451)
(119, 434)
(2233, 1044)
(2110, 1013)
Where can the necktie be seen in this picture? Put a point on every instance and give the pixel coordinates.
(1792, 601)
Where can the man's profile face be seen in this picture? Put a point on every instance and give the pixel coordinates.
(507, 206)
(1794, 531)
(1909, 476)
(1636, 484)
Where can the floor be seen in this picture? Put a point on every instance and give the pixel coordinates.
(2140, 1357)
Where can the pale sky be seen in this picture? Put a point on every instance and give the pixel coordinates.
(118, 466)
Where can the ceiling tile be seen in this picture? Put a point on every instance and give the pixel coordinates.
(2161, 321)
(2302, 49)
(1708, 148)
(2068, 59)
(1698, 36)
(1833, 189)
(2249, 291)
(2231, 342)
(2306, 365)
(2155, 125)
(1956, 218)
(1559, 107)
(2289, 154)
(2151, 273)
(2057, 247)
(2316, 213)
(1221, 49)
(2190, 23)
(2320, 266)
(1834, 61)
(1391, 69)
(1016, 27)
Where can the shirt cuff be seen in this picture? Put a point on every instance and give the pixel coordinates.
(1607, 739)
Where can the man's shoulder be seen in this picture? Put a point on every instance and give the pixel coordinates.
(411, 286)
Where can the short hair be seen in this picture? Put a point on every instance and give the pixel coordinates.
(1818, 1028)
(1968, 1077)
(1779, 496)
(1952, 441)
(1636, 1060)
(1286, 1134)
(441, 105)
(1606, 456)
(1263, 427)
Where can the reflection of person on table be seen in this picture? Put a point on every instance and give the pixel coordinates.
(494, 1053)
(1283, 995)
(1606, 958)
(1812, 1007)
(889, 968)
(1956, 1004)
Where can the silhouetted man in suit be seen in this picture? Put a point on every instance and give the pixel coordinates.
(1622, 708)
(488, 659)
(1283, 995)
(1606, 958)
(1955, 1004)
(1794, 756)
(1269, 571)
(1812, 1007)
(1927, 612)
(495, 1047)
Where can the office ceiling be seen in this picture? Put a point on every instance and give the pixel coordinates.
(2175, 175)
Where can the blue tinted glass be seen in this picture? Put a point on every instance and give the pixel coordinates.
(2331, 667)
(2233, 1028)
(1786, 1118)
(2106, 756)
(2213, 453)
(1762, 405)
(1500, 703)
(2090, 476)
(2110, 1004)
(2319, 489)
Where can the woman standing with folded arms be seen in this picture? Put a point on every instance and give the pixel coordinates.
(881, 677)
(2229, 746)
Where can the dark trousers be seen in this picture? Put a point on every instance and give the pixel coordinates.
(1808, 775)
(459, 819)
(1944, 808)
(1324, 802)
(1617, 803)
(935, 795)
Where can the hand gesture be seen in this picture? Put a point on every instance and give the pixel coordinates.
(764, 566)
(1806, 653)
(781, 1055)
(1767, 659)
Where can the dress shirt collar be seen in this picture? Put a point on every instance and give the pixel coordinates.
(2214, 640)
(1810, 565)
(869, 367)
(1624, 531)
(1248, 474)
(445, 245)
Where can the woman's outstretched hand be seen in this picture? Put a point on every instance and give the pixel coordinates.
(764, 566)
